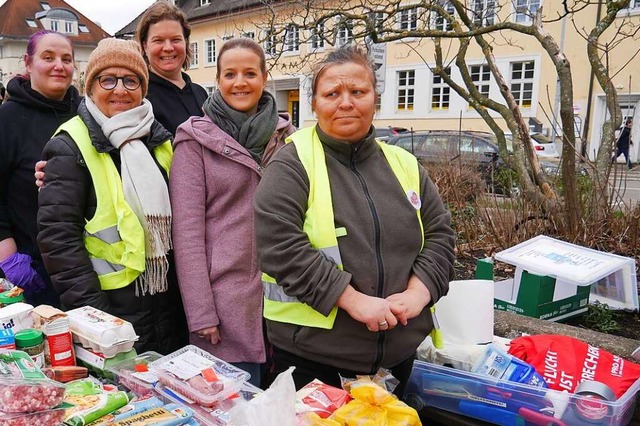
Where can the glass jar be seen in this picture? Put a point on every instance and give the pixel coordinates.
(31, 341)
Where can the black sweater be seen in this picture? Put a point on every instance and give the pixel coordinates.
(172, 106)
(27, 122)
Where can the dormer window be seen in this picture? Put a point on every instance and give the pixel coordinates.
(31, 23)
(59, 19)
(83, 28)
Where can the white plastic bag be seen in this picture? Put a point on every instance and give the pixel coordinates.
(274, 407)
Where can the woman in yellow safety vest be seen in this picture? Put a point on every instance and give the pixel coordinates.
(352, 236)
(105, 215)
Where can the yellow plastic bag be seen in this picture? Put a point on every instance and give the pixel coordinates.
(312, 419)
(374, 406)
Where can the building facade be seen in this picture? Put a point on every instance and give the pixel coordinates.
(19, 19)
(412, 96)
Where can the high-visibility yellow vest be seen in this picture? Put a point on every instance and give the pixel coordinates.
(114, 236)
(320, 227)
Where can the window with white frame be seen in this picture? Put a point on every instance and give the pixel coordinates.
(209, 52)
(408, 19)
(526, 10)
(406, 90)
(441, 23)
(249, 34)
(269, 44)
(194, 58)
(345, 33)
(83, 28)
(484, 12)
(377, 19)
(210, 89)
(45, 6)
(204, 2)
(227, 37)
(633, 4)
(481, 77)
(31, 23)
(292, 38)
(440, 91)
(522, 82)
(316, 40)
(69, 28)
(54, 25)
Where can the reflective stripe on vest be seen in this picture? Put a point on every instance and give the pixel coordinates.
(319, 224)
(113, 237)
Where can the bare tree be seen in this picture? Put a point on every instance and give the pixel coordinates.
(452, 27)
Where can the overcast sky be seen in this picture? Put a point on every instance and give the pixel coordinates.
(112, 15)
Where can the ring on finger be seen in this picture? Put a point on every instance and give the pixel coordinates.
(201, 336)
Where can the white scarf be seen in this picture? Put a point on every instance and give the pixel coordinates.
(145, 189)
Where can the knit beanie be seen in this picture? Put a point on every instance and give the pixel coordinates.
(114, 52)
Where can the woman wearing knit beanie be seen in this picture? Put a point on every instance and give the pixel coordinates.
(105, 215)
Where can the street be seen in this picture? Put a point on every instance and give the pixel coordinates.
(626, 183)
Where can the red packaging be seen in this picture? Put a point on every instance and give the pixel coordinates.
(58, 342)
(321, 399)
(564, 362)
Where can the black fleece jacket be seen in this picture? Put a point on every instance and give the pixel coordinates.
(27, 122)
(172, 105)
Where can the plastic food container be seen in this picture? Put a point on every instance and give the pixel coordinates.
(218, 414)
(100, 331)
(198, 375)
(135, 373)
(502, 402)
(16, 316)
(24, 388)
(55, 416)
(10, 297)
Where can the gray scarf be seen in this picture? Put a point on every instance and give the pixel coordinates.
(252, 131)
(144, 187)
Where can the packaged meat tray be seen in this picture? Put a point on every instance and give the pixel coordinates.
(55, 416)
(135, 374)
(218, 414)
(24, 388)
(198, 375)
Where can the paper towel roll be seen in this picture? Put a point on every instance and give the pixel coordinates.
(465, 314)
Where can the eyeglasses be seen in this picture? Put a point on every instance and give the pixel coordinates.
(109, 82)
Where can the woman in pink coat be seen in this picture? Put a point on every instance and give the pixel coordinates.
(217, 164)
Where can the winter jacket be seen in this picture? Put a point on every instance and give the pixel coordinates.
(380, 251)
(172, 106)
(67, 201)
(213, 181)
(624, 138)
(27, 122)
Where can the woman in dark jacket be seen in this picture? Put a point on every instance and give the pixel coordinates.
(163, 33)
(105, 216)
(40, 101)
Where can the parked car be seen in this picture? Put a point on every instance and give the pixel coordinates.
(384, 133)
(477, 149)
(542, 145)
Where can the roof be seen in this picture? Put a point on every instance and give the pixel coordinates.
(14, 13)
(194, 11)
(217, 7)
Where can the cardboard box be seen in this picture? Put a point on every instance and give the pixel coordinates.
(555, 280)
(507, 403)
(535, 295)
